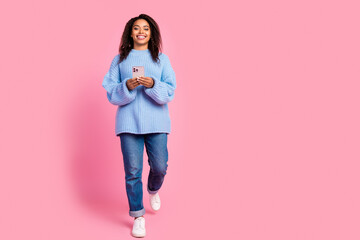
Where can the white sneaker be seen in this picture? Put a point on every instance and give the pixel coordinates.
(139, 227)
(155, 201)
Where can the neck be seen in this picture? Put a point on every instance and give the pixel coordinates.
(140, 47)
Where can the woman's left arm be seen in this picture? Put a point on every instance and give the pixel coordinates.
(164, 89)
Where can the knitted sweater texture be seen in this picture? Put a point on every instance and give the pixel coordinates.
(141, 110)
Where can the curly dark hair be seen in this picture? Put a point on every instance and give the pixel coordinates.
(127, 43)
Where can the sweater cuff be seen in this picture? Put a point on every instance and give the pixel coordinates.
(156, 91)
(130, 94)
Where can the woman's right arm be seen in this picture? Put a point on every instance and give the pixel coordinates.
(116, 90)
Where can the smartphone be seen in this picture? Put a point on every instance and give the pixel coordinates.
(138, 71)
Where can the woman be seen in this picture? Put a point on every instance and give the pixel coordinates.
(142, 115)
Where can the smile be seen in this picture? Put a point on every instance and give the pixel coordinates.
(141, 37)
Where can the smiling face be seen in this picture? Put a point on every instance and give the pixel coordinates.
(141, 34)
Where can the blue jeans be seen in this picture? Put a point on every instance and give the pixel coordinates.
(132, 147)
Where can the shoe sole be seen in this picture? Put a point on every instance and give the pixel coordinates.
(155, 209)
(139, 236)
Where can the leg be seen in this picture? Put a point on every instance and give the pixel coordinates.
(132, 147)
(156, 149)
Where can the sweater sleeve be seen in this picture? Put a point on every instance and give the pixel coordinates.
(163, 90)
(116, 90)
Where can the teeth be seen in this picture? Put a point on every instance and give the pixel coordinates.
(141, 37)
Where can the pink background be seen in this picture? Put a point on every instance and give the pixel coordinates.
(265, 121)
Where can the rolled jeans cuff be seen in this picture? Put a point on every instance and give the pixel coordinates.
(138, 213)
(151, 192)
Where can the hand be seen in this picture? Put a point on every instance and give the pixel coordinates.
(132, 83)
(146, 81)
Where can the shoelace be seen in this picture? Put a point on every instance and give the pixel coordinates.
(156, 199)
(140, 223)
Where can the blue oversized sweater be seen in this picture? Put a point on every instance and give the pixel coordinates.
(141, 110)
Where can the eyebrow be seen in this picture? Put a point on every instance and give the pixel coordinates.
(139, 25)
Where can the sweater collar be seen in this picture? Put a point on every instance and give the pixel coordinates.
(140, 52)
